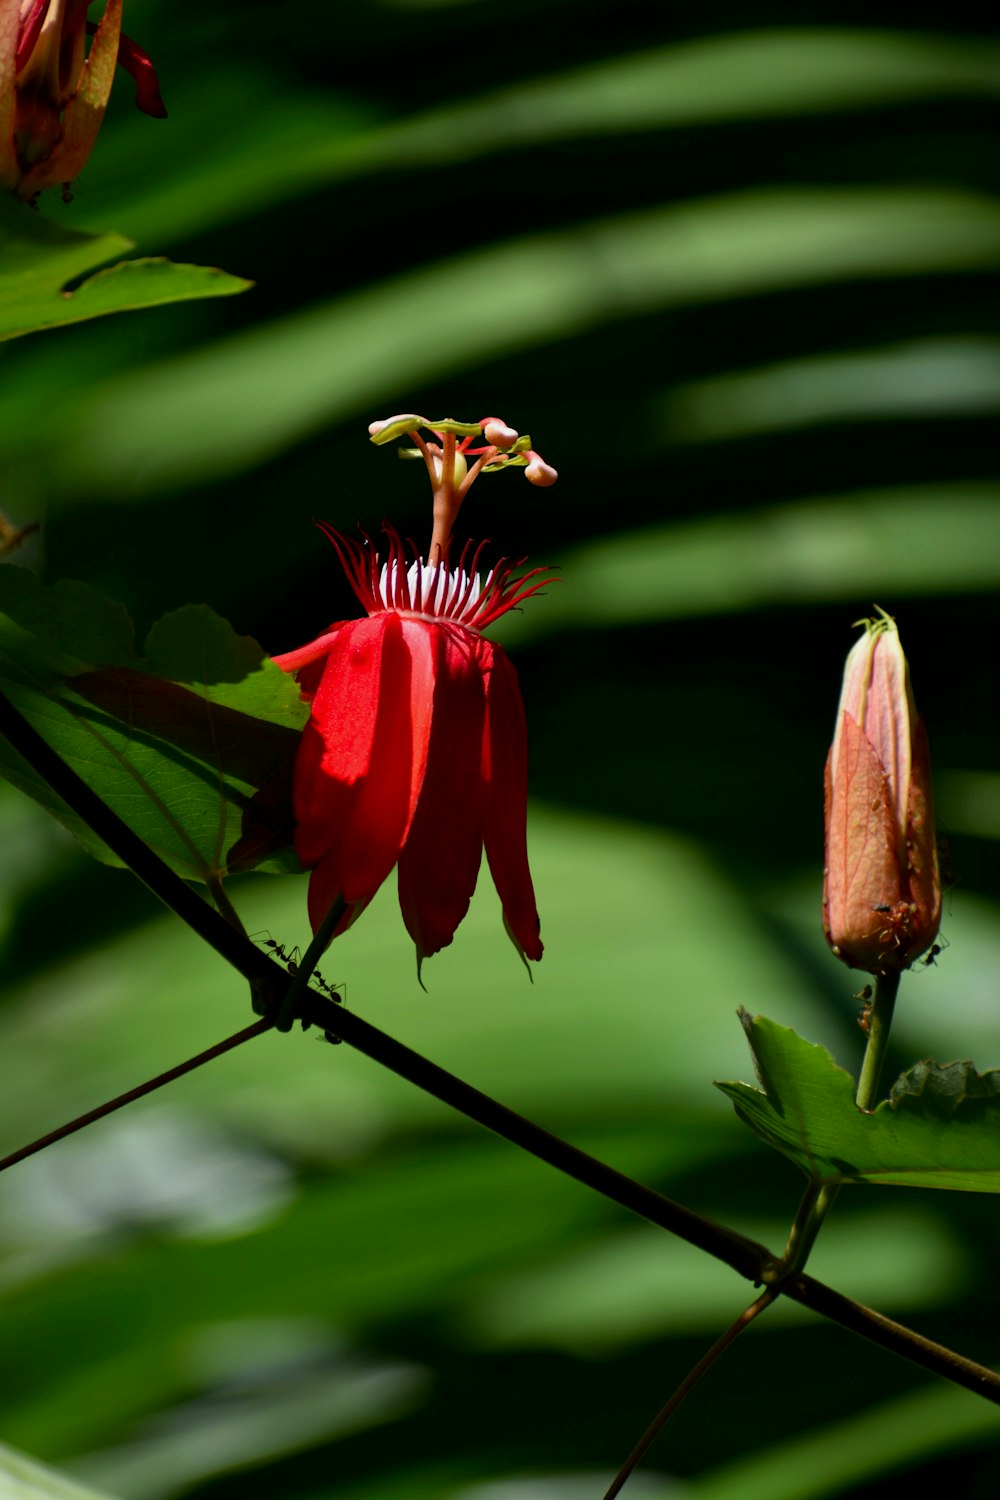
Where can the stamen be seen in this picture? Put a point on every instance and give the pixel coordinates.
(432, 591)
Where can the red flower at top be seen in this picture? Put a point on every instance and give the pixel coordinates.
(415, 753)
(53, 92)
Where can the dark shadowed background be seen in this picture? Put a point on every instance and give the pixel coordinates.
(735, 268)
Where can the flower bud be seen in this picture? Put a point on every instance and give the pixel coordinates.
(882, 888)
(53, 91)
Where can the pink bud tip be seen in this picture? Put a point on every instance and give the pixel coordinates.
(498, 433)
(539, 472)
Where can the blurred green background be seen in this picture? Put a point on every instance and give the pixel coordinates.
(736, 271)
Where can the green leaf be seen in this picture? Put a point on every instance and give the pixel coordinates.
(933, 538)
(221, 160)
(192, 746)
(940, 1129)
(836, 1455)
(40, 259)
(21, 1478)
(946, 1091)
(245, 398)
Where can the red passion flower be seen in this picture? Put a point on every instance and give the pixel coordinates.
(415, 753)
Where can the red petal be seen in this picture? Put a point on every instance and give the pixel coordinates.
(324, 888)
(141, 70)
(354, 774)
(27, 31)
(505, 773)
(440, 863)
(308, 662)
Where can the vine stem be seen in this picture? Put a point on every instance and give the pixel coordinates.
(223, 903)
(257, 1029)
(270, 983)
(749, 1259)
(817, 1202)
(685, 1388)
(289, 1007)
(820, 1197)
(879, 1025)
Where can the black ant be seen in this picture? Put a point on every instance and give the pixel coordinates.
(934, 952)
(333, 990)
(290, 960)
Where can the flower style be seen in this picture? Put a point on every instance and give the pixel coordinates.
(415, 753)
(882, 889)
(53, 92)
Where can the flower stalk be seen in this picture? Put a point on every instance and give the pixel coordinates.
(879, 1026)
(447, 461)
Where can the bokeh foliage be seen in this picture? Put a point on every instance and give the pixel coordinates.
(736, 271)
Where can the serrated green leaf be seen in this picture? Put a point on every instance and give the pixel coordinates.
(805, 1108)
(946, 1091)
(39, 258)
(193, 746)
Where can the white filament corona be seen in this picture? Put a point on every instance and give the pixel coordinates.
(433, 590)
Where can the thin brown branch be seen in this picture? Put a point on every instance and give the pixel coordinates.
(687, 1385)
(119, 1102)
(896, 1337)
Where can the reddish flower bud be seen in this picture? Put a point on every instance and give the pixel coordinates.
(882, 888)
(53, 91)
